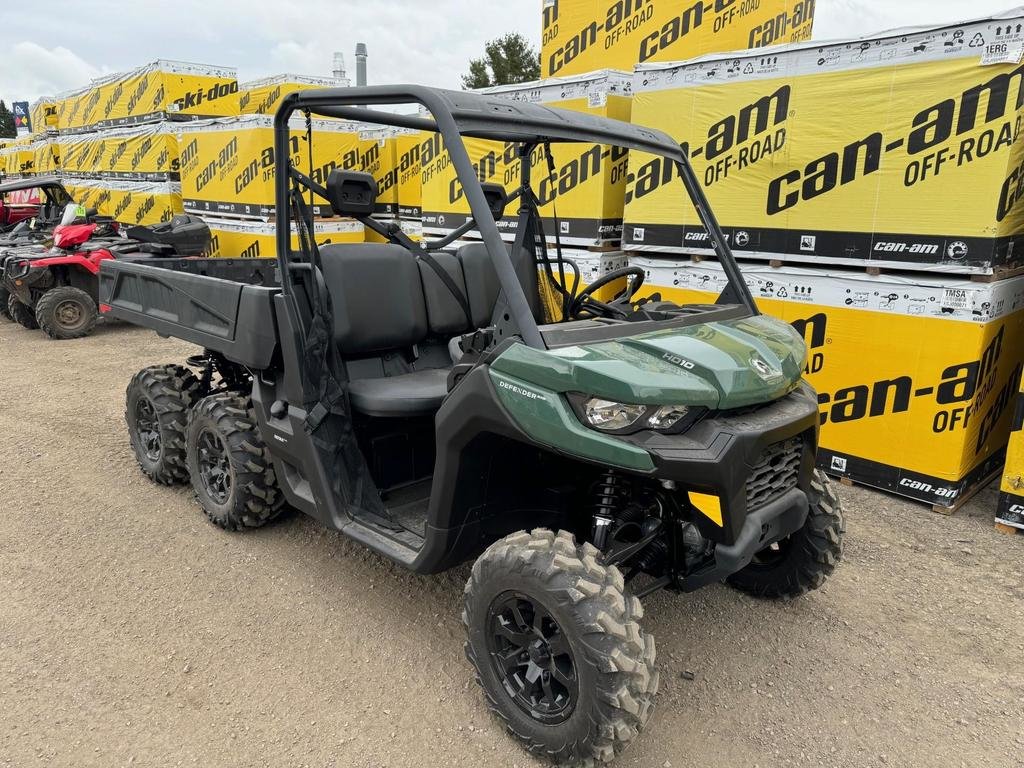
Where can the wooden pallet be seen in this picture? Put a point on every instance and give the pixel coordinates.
(1008, 530)
(966, 496)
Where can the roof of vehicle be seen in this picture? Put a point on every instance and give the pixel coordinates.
(482, 115)
(33, 182)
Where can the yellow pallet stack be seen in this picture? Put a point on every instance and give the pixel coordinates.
(863, 183)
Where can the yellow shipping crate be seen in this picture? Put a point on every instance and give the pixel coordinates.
(129, 202)
(377, 156)
(19, 157)
(251, 239)
(583, 35)
(146, 152)
(587, 189)
(261, 97)
(901, 151)
(227, 165)
(916, 379)
(1011, 488)
(45, 155)
(409, 196)
(171, 90)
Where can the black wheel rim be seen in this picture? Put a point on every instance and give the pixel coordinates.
(532, 657)
(147, 429)
(69, 315)
(214, 466)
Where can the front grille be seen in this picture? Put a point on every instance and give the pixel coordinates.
(777, 471)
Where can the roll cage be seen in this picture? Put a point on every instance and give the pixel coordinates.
(458, 114)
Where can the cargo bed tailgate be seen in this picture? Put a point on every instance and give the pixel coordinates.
(223, 315)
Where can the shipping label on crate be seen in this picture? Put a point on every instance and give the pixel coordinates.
(915, 396)
(583, 35)
(904, 152)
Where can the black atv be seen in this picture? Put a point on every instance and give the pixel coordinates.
(440, 403)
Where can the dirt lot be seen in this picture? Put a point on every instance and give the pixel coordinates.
(132, 632)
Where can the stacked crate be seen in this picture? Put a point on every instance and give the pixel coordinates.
(872, 187)
(227, 176)
(1010, 514)
(117, 137)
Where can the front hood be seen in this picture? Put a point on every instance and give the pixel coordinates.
(722, 365)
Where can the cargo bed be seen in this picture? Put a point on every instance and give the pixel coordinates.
(224, 305)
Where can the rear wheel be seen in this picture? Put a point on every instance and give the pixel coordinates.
(803, 561)
(20, 313)
(66, 312)
(556, 643)
(5, 296)
(156, 411)
(229, 464)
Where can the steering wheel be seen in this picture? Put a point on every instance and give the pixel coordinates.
(617, 307)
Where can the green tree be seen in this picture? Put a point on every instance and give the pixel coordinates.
(7, 130)
(509, 59)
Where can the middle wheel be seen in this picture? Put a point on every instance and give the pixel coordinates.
(229, 464)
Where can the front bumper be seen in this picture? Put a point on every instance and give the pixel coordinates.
(761, 528)
(724, 456)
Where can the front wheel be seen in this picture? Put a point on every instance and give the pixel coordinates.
(556, 642)
(66, 312)
(229, 464)
(20, 313)
(804, 560)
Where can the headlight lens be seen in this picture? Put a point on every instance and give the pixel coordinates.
(611, 416)
(667, 416)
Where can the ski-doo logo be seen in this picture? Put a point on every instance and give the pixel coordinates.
(114, 97)
(136, 97)
(243, 100)
(140, 154)
(620, 19)
(117, 154)
(123, 206)
(200, 96)
(144, 210)
(267, 104)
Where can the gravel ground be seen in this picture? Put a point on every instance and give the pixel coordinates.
(132, 632)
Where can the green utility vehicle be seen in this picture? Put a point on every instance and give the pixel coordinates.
(445, 401)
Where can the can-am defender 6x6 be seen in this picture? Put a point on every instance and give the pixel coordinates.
(439, 404)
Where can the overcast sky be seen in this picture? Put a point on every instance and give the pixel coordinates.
(56, 45)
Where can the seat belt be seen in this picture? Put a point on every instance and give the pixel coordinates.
(449, 283)
(394, 232)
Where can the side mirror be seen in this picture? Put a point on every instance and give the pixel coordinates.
(351, 193)
(496, 199)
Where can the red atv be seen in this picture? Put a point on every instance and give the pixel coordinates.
(56, 289)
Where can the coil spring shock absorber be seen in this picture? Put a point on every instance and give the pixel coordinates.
(608, 493)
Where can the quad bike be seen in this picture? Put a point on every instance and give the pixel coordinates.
(440, 404)
(55, 289)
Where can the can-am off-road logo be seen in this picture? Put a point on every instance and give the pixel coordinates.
(934, 146)
(965, 392)
(734, 143)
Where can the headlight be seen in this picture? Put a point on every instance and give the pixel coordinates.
(610, 416)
